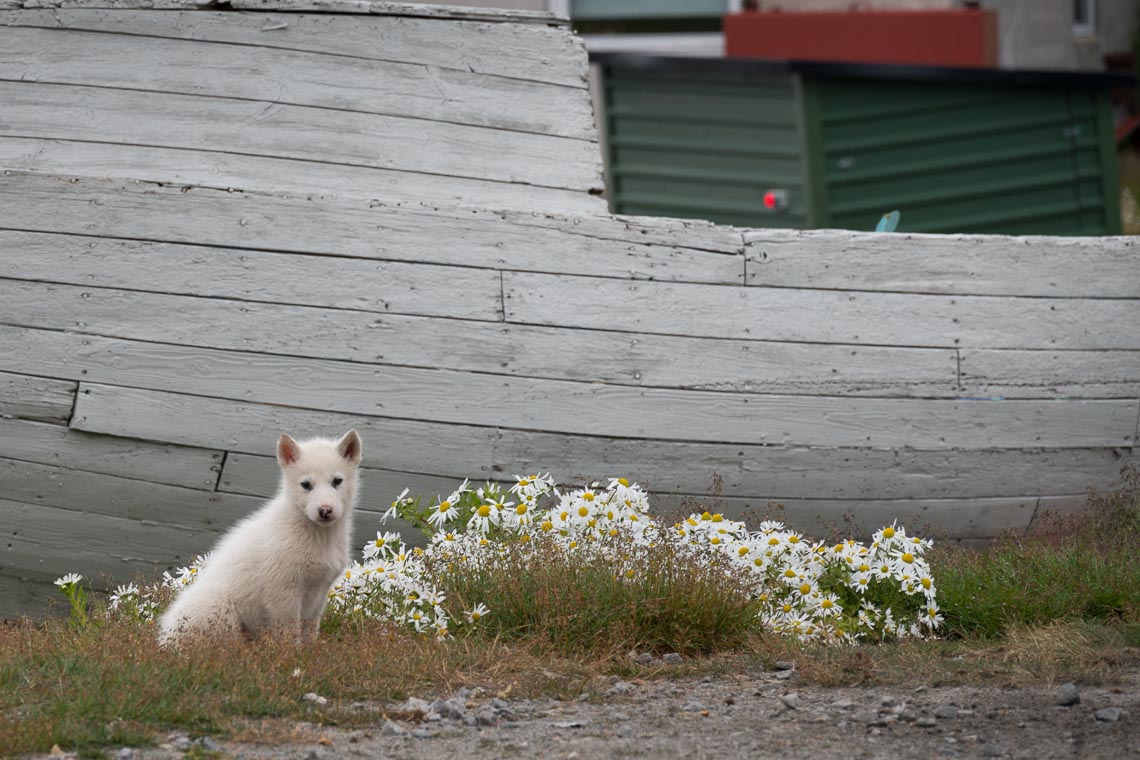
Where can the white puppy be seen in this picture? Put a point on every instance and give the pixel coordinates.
(272, 571)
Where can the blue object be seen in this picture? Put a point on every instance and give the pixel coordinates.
(889, 222)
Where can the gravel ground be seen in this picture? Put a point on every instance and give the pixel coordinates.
(755, 715)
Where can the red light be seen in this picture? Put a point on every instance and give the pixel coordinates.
(770, 200)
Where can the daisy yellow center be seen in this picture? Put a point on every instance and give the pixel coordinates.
(706, 516)
(520, 509)
(588, 496)
(444, 506)
(773, 541)
(484, 511)
(787, 608)
(793, 539)
(718, 517)
(759, 562)
(862, 581)
(715, 540)
(926, 583)
(908, 558)
(475, 615)
(805, 588)
(864, 567)
(789, 573)
(742, 551)
(888, 532)
(826, 604)
(582, 511)
(624, 482)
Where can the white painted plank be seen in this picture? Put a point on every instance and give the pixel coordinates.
(447, 396)
(432, 11)
(340, 282)
(120, 497)
(47, 542)
(351, 226)
(59, 56)
(35, 398)
(258, 128)
(823, 518)
(790, 472)
(141, 460)
(33, 600)
(529, 53)
(901, 319)
(1103, 267)
(515, 350)
(254, 428)
(301, 179)
(1078, 374)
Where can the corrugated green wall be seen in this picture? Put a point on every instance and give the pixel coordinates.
(704, 146)
(961, 157)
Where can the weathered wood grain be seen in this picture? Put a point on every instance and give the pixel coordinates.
(957, 518)
(447, 396)
(901, 319)
(340, 282)
(188, 170)
(205, 326)
(786, 472)
(531, 53)
(35, 398)
(254, 428)
(948, 264)
(96, 493)
(393, 88)
(354, 226)
(48, 542)
(23, 599)
(257, 128)
(1019, 374)
(127, 458)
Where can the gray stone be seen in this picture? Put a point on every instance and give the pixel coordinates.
(842, 704)
(625, 731)
(692, 706)
(672, 658)
(432, 717)
(888, 701)
(791, 701)
(926, 723)
(906, 716)
(315, 699)
(1108, 714)
(500, 704)
(312, 754)
(993, 750)
(486, 717)
(1068, 695)
(784, 665)
(462, 693)
(645, 658)
(865, 717)
(415, 704)
(181, 742)
(392, 728)
(786, 675)
(126, 753)
(453, 709)
(621, 688)
(946, 712)
(421, 733)
(209, 744)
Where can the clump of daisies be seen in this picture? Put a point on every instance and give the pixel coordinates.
(810, 590)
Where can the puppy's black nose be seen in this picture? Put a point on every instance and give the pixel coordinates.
(325, 512)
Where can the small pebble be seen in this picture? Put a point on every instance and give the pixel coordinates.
(625, 731)
(1108, 714)
(1068, 695)
(993, 750)
(415, 704)
(791, 701)
(421, 733)
(209, 744)
(126, 753)
(392, 728)
(316, 699)
(784, 665)
(888, 701)
(181, 743)
(842, 704)
(786, 675)
(672, 658)
(946, 712)
(926, 723)
(453, 709)
(645, 658)
(692, 706)
(621, 688)
(486, 717)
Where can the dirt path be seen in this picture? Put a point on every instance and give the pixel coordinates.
(755, 715)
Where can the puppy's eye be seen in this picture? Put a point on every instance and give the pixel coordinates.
(306, 485)
(337, 481)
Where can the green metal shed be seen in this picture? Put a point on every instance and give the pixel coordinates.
(955, 150)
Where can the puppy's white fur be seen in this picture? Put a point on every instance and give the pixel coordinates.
(272, 571)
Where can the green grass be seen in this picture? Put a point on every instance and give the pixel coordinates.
(1077, 567)
(1061, 604)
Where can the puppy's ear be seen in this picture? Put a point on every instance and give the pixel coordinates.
(288, 451)
(349, 447)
